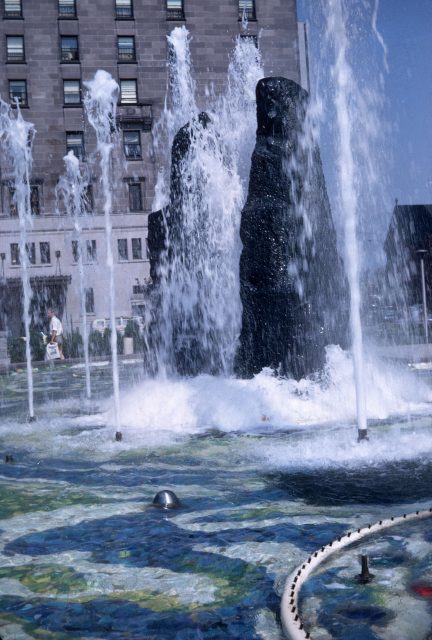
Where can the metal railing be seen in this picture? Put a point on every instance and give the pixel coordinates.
(67, 11)
(124, 12)
(69, 54)
(126, 54)
(175, 14)
(15, 56)
(20, 96)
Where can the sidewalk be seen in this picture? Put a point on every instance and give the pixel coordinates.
(41, 364)
(406, 352)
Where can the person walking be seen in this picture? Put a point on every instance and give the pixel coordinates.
(56, 331)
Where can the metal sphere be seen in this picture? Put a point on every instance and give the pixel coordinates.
(166, 499)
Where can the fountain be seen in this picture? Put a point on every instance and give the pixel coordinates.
(17, 138)
(72, 189)
(100, 104)
(193, 242)
(258, 442)
(293, 288)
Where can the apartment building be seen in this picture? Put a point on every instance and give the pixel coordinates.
(48, 50)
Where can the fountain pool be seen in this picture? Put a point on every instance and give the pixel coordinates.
(267, 469)
(265, 476)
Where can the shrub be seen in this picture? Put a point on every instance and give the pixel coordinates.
(17, 348)
(100, 344)
(73, 345)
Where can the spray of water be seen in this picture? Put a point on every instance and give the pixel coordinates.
(199, 289)
(16, 137)
(100, 103)
(343, 80)
(72, 190)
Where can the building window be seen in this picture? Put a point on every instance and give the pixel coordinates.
(247, 9)
(13, 209)
(71, 92)
(132, 144)
(18, 92)
(124, 9)
(75, 143)
(31, 252)
(128, 92)
(15, 254)
(175, 9)
(89, 301)
(15, 49)
(91, 255)
(126, 48)
(252, 39)
(69, 51)
(135, 196)
(75, 250)
(88, 199)
(67, 8)
(136, 249)
(122, 249)
(34, 200)
(45, 252)
(12, 9)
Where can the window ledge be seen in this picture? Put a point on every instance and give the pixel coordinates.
(67, 18)
(78, 105)
(16, 61)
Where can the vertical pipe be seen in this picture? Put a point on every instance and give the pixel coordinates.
(425, 312)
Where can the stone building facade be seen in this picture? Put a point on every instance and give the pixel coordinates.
(48, 49)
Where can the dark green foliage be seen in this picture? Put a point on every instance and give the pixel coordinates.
(73, 345)
(132, 330)
(100, 344)
(17, 348)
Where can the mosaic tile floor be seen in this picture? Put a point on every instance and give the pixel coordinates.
(83, 554)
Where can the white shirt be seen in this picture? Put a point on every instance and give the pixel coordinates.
(56, 325)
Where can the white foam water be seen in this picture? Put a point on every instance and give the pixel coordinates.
(16, 137)
(72, 189)
(199, 300)
(191, 405)
(101, 104)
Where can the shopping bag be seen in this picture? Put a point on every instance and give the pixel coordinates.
(52, 351)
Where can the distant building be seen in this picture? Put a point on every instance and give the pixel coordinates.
(408, 241)
(49, 48)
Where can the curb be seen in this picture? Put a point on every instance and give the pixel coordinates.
(292, 624)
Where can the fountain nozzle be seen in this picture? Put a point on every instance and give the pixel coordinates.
(362, 435)
(365, 576)
(166, 500)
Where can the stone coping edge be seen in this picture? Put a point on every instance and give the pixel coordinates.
(292, 624)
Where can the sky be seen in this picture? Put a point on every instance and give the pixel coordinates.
(402, 152)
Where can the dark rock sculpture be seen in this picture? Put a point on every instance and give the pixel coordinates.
(292, 285)
(171, 242)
